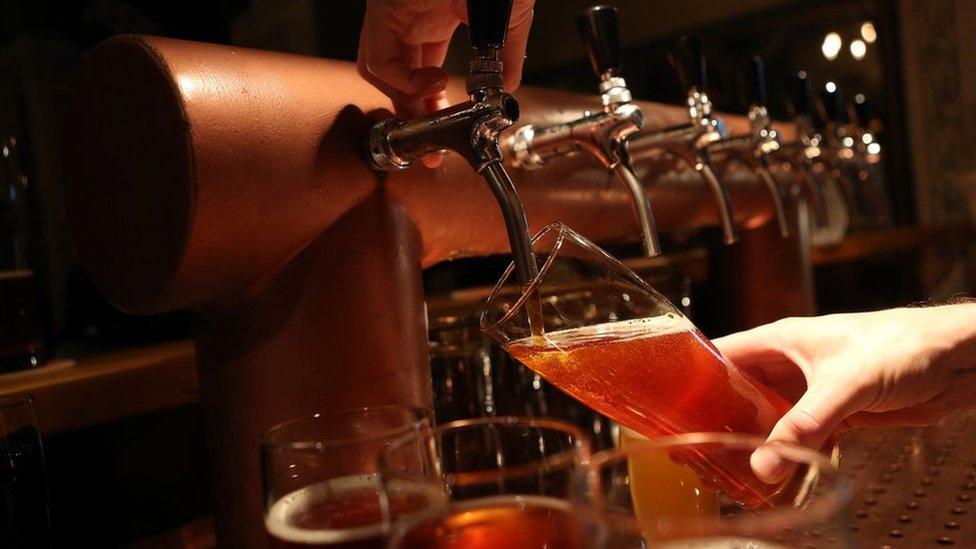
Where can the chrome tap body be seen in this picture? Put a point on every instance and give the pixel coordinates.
(754, 150)
(813, 151)
(690, 142)
(602, 134)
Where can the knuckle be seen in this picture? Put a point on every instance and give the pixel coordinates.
(802, 421)
(788, 323)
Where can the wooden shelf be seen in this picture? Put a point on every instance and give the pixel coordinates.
(72, 395)
(868, 243)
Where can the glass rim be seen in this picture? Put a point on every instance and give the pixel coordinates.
(563, 231)
(418, 418)
(836, 495)
(582, 446)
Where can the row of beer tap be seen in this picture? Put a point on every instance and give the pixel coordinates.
(834, 147)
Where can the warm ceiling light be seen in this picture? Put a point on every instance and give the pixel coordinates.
(859, 49)
(831, 45)
(868, 33)
(830, 86)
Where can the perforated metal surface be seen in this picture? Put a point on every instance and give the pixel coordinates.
(913, 487)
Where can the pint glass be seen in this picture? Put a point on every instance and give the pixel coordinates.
(321, 481)
(619, 507)
(490, 483)
(604, 336)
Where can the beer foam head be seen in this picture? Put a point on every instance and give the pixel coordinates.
(721, 543)
(624, 329)
(282, 520)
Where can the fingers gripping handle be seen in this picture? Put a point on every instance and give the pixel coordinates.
(599, 29)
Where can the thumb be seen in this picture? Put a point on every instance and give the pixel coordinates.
(810, 422)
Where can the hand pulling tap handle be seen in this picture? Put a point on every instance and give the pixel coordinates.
(600, 31)
(488, 29)
(688, 60)
(470, 129)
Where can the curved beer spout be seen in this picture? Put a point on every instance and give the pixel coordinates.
(776, 195)
(723, 203)
(815, 194)
(642, 209)
(848, 191)
(734, 151)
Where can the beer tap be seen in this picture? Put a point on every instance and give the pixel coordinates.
(869, 152)
(470, 129)
(812, 149)
(603, 134)
(690, 142)
(763, 140)
(850, 154)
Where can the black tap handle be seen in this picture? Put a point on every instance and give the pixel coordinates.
(831, 105)
(756, 75)
(488, 22)
(799, 98)
(600, 30)
(688, 60)
(751, 83)
(860, 110)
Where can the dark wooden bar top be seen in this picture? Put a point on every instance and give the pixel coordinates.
(912, 488)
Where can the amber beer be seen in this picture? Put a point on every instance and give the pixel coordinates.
(657, 376)
(510, 522)
(661, 487)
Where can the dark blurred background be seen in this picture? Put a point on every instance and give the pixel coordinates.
(914, 59)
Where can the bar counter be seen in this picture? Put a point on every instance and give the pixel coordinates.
(912, 488)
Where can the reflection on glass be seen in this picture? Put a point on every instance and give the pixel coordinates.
(321, 481)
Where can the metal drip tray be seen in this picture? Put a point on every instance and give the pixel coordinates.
(913, 487)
